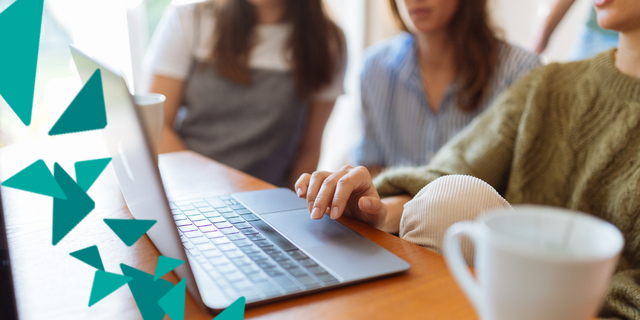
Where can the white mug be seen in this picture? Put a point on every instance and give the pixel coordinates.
(151, 106)
(535, 262)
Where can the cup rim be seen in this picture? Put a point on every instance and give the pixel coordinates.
(159, 98)
(506, 243)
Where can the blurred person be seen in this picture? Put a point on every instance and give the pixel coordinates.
(593, 40)
(420, 88)
(566, 135)
(249, 83)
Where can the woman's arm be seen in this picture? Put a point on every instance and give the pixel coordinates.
(309, 151)
(559, 9)
(172, 90)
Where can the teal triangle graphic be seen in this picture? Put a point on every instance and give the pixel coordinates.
(68, 213)
(129, 231)
(90, 256)
(146, 292)
(166, 265)
(20, 41)
(87, 110)
(173, 302)
(233, 312)
(104, 284)
(88, 171)
(36, 178)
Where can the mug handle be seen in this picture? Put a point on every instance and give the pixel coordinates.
(455, 260)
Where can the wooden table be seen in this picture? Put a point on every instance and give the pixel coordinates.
(52, 285)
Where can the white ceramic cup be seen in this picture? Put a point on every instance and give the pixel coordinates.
(151, 106)
(535, 263)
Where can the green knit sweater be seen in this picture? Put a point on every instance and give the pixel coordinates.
(566, 135)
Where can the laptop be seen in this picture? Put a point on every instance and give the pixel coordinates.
(8, 308)
(261, 244)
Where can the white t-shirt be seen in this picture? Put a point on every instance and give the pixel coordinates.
(173, 48)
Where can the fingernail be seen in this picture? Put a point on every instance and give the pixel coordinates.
(299, 191)
(310, 206)
(366, 203)
(334, 212)
(316, 213)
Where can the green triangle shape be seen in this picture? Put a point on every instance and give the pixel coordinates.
(88, 171)
(146, 292)
(36, 178)
(129, 231)
(87, 110)
(166, 265)
(90, 256)
(173, 302)
(233, 312)
(20, 41)
(104, 284)
(68, 213)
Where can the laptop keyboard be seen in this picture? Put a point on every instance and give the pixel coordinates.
(243, 254)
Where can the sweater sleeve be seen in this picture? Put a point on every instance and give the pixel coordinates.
(484, 149)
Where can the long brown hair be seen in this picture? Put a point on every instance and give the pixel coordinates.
(316, 44)
(475, 50)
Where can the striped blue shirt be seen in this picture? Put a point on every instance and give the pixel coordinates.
(400, 128)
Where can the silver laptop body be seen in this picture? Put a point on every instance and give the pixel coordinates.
(261, 244)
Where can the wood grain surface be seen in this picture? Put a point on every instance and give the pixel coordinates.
(52, 285)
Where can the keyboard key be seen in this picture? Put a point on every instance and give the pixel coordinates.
(212, 253)
(257, 277)
(307, 281)
(267, 288)
(198, 217)
(212, 214)
(273, 235)
(219, 260)
(249, 217)
(297, 254)
(221, 240)
(273, 272)
(226, 268)
(226, 247)
(229, 215)
(183, 203)
(243, 211)
(194, 252)
(189, 245)
(200, 240)
(180, 217)
(264, 264)
(243, 285)
(186, 207)
(212, 234)
(327, 279)
(192, 234)
(286, 283)
(242, 261)
(217, 219)
(236, 207)
(200, 204)
(207, 266)
(251, 231)
(279, 256)
(173, 205)
(224, 210)
(235, 220)
(206, 209)
(183, 223)
(206, 246)
(307, 263)
(243, 242)
(235, 236)
(176, 211)
(215, 202)
(201, 224)
(249, 249)
(297, 272)
(317, 270)
(270, 250)
(248, 269)
(253, 237)
(234, 254)
(229, 230)
(183, 238)
(243, 225)
(221, 225)
(288, 264)
(263, 243)
(258, 256)
(234, 277)
(190, 212)
(201, 259)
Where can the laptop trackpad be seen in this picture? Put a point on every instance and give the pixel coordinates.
(307, 233)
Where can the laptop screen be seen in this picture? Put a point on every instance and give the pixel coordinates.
(7, 297)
